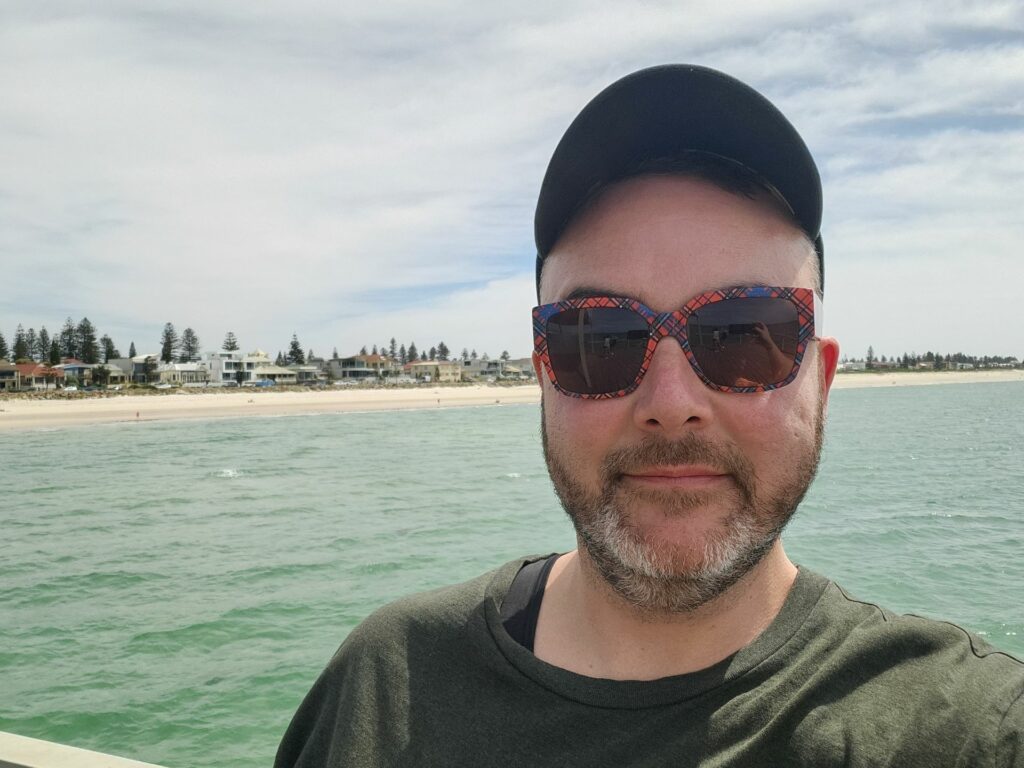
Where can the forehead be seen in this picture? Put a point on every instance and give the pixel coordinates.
(665, 239)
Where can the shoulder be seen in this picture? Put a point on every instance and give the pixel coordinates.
(427, 620)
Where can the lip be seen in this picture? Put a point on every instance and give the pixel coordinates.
(681, 476)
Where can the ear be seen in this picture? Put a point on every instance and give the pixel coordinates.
(828, 348)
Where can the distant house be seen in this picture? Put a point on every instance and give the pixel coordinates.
(307, 374)
(10, 377)
(360, 367)
(225, 366)
(444, 371)
(853, 365)
(182, 373)
(39, 376)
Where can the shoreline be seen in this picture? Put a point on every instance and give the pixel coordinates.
(19, 414)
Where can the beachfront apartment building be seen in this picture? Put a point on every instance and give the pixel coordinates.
(10, 377)
(226, 366)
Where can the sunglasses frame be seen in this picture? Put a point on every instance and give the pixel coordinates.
(664, 324)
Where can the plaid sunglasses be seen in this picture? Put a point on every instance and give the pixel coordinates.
(737, 340)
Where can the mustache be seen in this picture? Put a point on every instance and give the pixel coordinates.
(690, 449)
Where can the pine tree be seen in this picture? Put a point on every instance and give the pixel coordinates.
(168, 343)
(32, 340)
(374, 352)
(280, 358)
(42, 345)
(423, 355)
(88, 349)
(20, 344)
(472, 355)
(443, 353)
(189, 346)
(401, 355)
(230, 342)
(54, 356)
(131, 350)
(334, 355)
(109, 350)
(295, 354)
(4, 351)
(505, 355)
(362, 350)
(68, 339)
(465, 354)
(433, 353)
(392, 351)
(412, 354)
(148, 368)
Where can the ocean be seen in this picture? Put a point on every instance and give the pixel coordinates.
(169, 591)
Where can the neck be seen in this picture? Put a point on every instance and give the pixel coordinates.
(587, 628)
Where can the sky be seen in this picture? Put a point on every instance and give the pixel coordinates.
(352, 172)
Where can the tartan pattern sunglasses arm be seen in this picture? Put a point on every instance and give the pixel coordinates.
(804, 300)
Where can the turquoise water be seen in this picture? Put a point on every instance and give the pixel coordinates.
(169, 591)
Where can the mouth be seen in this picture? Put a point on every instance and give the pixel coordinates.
(689, 477)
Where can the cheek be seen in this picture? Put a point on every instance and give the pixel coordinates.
(581, 432)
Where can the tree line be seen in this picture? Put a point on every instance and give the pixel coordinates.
(80, 341)
(934, 359)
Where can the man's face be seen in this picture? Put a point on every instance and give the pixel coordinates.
(677, 490)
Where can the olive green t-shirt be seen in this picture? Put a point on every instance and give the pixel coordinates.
(434, 680)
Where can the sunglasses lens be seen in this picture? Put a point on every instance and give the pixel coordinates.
(745, 342)
(596, 351)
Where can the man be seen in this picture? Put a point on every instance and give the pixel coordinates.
(685, 381)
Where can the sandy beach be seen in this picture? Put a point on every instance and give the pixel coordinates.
(38, 413)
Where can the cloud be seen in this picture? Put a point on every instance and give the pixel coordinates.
(352, 173)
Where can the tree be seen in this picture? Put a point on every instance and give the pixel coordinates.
(392, 352)
(110, 352)
(42, 345)
(374, 352)
(334, 355)
(189, 346)
(230, 342)
(465, 354)
(88, 348)
(100, 375)
(32, 340)
(168, 343)
(68, 339)
(401, 355)
(148, 368)
(870, 359)
(131, 350)
(4, 351)
(423, 355)
(472, 355)
(433, 353)
(54, 356)
(362, 350)
(280, 358)
(21, 351)
(505, 355)
(443, 353)
(295, 353)
(413, 353)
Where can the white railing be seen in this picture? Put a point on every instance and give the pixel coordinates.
(23, 752)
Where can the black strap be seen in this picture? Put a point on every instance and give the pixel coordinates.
(521, 607)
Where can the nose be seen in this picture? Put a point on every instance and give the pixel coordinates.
(671, 399)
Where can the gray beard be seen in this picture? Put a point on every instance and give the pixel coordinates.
(644, 572)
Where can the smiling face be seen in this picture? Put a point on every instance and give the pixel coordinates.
(676, 491)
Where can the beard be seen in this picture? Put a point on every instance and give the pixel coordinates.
(654, 576)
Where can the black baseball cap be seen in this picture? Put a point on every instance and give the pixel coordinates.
(668, 111)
